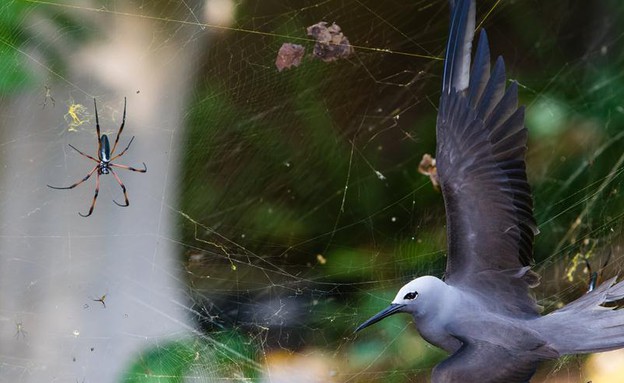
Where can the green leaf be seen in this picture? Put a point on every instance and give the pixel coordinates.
(163, 364)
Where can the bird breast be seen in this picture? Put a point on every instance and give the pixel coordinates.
(437, 336)
(433, 318)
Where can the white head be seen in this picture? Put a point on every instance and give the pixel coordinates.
(420, 294)
(418, 297)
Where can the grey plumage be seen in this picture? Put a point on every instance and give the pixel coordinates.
(585, 325)
(482, 313)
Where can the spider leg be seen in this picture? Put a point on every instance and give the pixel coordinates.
(123, 122)
(123, 188)
(593, 277)
(131, 168)
(97, 127)
(86, 155)
(606, 262)
(97, 190)
(123, 151)
(77, 183)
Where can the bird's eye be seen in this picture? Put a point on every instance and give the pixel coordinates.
(410, 296)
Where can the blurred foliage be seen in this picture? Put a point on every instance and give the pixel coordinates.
(226, 354)
(22, 47)
(308, 178)
(167, 363)
(12, 36)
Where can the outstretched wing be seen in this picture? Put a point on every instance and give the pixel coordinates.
(480, 164)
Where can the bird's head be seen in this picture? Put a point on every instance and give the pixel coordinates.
(417, 297)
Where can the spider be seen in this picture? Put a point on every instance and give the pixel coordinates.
(103, 162)
(101, 300)
(20, 330)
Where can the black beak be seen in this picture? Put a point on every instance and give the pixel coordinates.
(392, 309)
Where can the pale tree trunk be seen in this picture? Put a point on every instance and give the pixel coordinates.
(54, 264)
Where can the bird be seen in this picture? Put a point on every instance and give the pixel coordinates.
(482, 312)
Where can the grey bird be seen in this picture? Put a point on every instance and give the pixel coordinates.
(482, 313)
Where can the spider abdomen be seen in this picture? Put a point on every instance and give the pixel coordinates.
(104, 149)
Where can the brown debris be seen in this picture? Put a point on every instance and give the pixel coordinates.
(331, 44)
(427, 167)
(289, 55)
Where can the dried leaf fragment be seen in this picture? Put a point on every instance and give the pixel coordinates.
(289, 55)
(427, 167)
(331, 44)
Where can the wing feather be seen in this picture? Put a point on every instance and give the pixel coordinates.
(505, 108)
(480, 70)
(482, 173)
(456, 69)
(494, 90)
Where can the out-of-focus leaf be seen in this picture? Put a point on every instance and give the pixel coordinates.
(162, 364)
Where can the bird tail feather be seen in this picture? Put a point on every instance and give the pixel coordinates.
(585, 325)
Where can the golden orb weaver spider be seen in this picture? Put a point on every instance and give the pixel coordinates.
(103, 162)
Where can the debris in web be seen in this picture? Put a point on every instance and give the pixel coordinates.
(76, 116)
(427, 167)
(289, 55)
(321, 260)
(331, 44)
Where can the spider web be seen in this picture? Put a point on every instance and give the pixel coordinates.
(280, 208)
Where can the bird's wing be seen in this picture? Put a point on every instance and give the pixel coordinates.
(481, 145)
(505, 352)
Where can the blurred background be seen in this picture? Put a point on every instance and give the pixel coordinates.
(281, 208)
